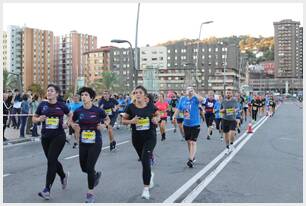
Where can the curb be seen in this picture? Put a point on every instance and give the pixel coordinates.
(16, 141)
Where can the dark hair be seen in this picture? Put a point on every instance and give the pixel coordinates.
(57, 89)
(16, 90)
(151, 98)
(25, 97)
(35, 97)
(89, 90)
(143, 89)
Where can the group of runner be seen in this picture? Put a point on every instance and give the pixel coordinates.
(144, 113)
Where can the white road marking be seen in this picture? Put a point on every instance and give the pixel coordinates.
(8, 174)
(215, 172)
(197, 176)
(74, 156)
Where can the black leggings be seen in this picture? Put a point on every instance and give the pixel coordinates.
(53, 146)
(254, 114)
(88, 156)
(144, 146)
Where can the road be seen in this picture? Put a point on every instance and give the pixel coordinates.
(267, 166)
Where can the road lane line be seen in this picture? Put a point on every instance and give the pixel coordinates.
(8, 174)
(196, 191)
(196, 177)
(74, 156)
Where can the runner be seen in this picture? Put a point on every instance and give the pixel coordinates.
(255, 107)
(208, 105)
(245, 107)
(53, 136)
(271, 106)
(74, 105)
(110, 106)
(86, 122)
(238, 112)
(162, 107)
(122, 104)
(143, 117)
(218, 116)
(179, 120)
(190, 106)
(172, 107)
(228, 108)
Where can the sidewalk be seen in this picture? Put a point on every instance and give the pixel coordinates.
(13, 136)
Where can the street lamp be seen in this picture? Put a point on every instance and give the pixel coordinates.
(18, 78)
(197, 65)
(224, 64)
(119, 41)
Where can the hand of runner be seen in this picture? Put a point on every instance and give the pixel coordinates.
(42, 118)
(99, 126)
(155, 120)
(65, 126)
(135, 120)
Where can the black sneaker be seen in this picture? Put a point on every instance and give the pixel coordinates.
(208, 137)
(97, 178)
(190, 163)
(210, 132)
(45, 194)
(111, 146)
(238, 130)
(74, 145)
(114, 144)
(163, 138)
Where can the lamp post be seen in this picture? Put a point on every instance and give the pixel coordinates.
(224, 76)
(133, 60)
(198, 47)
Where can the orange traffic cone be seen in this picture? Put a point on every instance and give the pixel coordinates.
(250, 129)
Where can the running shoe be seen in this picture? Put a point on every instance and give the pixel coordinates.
(174, 131)
(111, 147)
(145, 194)
(151, 181)
(97, 178)
(64, 181)
(208, 137)
(231, 147)
(114, 144)
(210, 132)
(163, 138)
(190, 163)
(75, 145)
(238, 129)
(90, 198)
(194, 160)
(45, 194)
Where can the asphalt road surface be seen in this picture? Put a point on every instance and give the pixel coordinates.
(266, 167)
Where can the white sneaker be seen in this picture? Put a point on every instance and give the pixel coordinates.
(232, 148)
(228, 150)
(145, 193)
(151, 181)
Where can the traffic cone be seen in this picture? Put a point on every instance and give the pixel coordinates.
(250, 130)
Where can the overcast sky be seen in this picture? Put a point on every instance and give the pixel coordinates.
(158, 22)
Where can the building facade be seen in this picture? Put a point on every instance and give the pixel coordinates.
(288, 49)
(4, 51)
(97, 61)
(69, 60)
(37, 57)
(14, 48)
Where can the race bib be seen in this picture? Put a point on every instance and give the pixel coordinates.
(254, 108)
(181, 115)
(88, 136)
(230, 111)
(143, 124)
(187, 115)
(52, 123)
(109, 112)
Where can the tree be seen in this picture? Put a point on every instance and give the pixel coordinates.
(108, 81)
(37, 89)
(9, 81)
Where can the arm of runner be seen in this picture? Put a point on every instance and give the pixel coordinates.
(156, 118)
(200, 98)
(36, 118)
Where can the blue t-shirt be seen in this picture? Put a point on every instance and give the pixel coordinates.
(55, 115)
(122, 104)
(217, 108)
(74, 106)
(190, 108)
(25, 107)
(239, 108)
(108, 106)
(88, 119)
